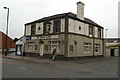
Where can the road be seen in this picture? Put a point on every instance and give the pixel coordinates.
(21, 69)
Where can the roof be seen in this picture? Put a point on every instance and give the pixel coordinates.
(70, 15)
(112, 40)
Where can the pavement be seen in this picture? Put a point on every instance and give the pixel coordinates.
(57, 62)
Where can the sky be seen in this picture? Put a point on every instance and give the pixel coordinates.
(103, 12)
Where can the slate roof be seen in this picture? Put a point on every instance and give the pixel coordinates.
(69, 14)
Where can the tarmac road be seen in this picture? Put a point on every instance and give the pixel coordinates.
(22, 69)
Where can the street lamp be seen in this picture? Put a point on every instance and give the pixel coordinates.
(105, 41)
(7, 29)
(106, 33)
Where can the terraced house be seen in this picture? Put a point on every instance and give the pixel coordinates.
(71, 34)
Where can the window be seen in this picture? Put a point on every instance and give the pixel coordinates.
(33, 29)
(46, 48)
(71, 48)
(90, 30)
(56, 26)
(79, 27)
(54, 44)
(87, 47)
(39, 28)
(97, 47)
(32, 46)
(99, 33)
(47, 28)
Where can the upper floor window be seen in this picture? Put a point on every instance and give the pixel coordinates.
(39, 28)
(33, 29)
(56, 26)
(99, 33)
(90, 30)
(79, 27)
(47, 26)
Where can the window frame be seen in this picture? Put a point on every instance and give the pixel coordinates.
(97, 46)
(71, 48)
(57, 26)
(87, 47)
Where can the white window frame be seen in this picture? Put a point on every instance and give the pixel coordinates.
(97, 46)
(54, 44)
(87, 47)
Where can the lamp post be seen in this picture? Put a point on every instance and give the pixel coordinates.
(106, 33)
(7, 29)
(105, 40)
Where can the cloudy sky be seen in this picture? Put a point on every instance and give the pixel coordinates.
(103, 12)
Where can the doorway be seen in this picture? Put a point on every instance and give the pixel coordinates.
(112, 52)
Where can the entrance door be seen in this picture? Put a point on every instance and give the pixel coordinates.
(112, 52)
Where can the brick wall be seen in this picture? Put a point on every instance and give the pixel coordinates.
(3, 38)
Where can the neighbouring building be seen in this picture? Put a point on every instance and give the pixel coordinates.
(5, 42)
(71, 34)
(19, 46)
(112, 47)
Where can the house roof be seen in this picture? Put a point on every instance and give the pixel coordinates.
(70, 15)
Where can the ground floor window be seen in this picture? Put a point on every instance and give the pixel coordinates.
(32, 46)
(54, 44)
(87, 47)
(97, 47)
(46, 48)
(71, 48)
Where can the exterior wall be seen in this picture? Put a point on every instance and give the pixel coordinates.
(28, 30)
(41, 25)
(30, 50)
(108, 52)
(38, 32)
(117, 52)
(86, 29)
(74, 27)
(51, 27)
(63, 25)
(96, 32)
(79, 48)
(46, 42)
(10, 43)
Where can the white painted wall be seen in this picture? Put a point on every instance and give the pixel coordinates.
(86, 29)
(96, 32)
(28, 30)
(74, 27)
(41, 28)
(51, 27)
(62, 25)
(117, 52)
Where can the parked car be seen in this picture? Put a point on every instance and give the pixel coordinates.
(11, 50)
